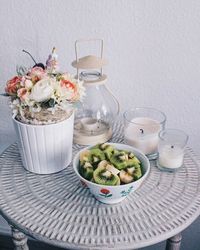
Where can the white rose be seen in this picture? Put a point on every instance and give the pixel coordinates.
(42, 90)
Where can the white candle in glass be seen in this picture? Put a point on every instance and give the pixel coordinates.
(142, 133)
(170, 156)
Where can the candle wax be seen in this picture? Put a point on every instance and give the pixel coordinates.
(171, 156)
(90, 123)
(142, 133)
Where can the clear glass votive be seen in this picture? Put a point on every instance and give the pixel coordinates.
(171, 147)
(141, 129)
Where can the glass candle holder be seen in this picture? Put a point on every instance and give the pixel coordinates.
(171, 147)
(141, 129)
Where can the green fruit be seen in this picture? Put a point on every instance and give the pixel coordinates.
(105, 177)
(123, 151)
(86, 171)
(137, 173)
(133, 162)
(131, 155)
(97, 146)
(118, 161)
(102, 146)
(115, 152)
(85, 156)
(108, 151)
(98, 153)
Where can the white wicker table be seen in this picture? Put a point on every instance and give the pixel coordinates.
(57, 210)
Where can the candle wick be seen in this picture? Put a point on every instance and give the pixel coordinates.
(142, 131)
(172, 146)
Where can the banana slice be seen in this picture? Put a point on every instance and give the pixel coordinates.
(112, 169)
(103, 164)
(87, 165)
(131, 170)
(123, 157)
(125, 177)
(109, 167)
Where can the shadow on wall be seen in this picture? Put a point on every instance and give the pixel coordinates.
(7, 133)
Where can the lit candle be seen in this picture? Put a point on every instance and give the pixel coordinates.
(142, 133)
(170, 156)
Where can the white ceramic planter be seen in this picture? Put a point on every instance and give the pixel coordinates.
(45, 149)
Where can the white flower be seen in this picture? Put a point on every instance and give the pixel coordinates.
(42, 90)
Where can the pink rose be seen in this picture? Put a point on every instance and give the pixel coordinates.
(22, 94)
(36, 74)
(71, 87)
(13, 85)
(28, 84)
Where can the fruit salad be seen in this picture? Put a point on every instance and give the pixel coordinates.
(105, 165)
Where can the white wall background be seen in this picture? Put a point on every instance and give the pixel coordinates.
(153, 48)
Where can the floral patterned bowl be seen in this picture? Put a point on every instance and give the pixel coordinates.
(114, 194)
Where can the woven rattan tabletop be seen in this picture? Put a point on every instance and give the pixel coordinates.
(56, 209)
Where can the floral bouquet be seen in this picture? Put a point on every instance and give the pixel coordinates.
(42, 100)
(41, 95)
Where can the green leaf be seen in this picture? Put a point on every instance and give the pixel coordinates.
(52, 103)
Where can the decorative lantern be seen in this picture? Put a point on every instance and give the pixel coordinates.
(94, 118)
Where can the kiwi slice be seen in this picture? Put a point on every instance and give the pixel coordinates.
(97, 146)
(137, 173)
(95, 161)
(85, 156)
(124, 152)
(118, 161)
(87, 171)
(131, 155)
(108, 150)
(103, 146)
(103, 164)
(133, 162)
(104, 177)
(98, 153)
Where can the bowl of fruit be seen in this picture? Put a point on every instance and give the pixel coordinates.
(111, 171)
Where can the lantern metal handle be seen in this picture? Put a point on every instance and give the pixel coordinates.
(102, 50)
(115, 98)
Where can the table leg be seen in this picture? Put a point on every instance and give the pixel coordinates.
(19, 239)
(174, 243)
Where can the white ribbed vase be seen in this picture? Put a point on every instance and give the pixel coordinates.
(45, 149)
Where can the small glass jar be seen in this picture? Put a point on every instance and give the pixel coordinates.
(94, 117)
(171, 148)
(141, 129)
